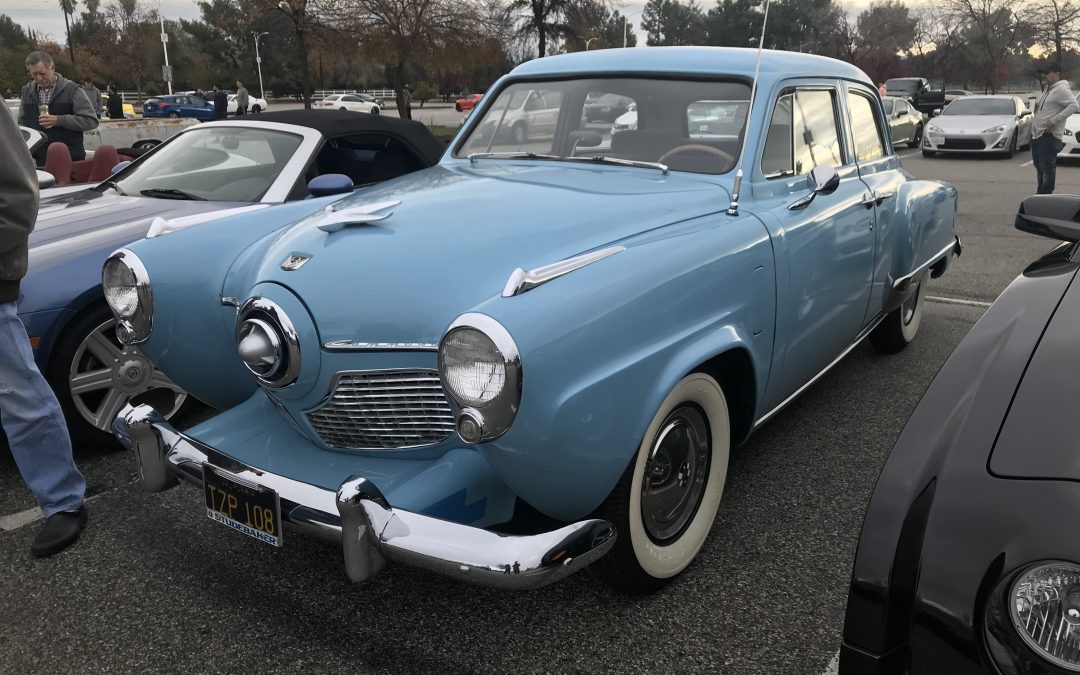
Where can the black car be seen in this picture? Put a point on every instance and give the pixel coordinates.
(968, 561)
(606, 108)
(924, 95)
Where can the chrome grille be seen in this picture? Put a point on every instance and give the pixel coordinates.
(384, 409)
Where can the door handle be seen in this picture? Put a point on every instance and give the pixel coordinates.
(882, 196)
(868, 200)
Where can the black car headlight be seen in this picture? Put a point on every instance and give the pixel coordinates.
(481, 370)
(126, 284)
(1045, 608)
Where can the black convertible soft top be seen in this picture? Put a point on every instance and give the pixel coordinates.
(335, 123)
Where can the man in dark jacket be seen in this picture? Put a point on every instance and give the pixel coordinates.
(56, 106)
(221, 104)
(29, 412)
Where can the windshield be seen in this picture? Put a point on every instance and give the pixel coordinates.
(229, 164)
(901, 86)
(980, 106)
(687, 126)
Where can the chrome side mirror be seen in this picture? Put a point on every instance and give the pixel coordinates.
(823, 180)
(45, 179)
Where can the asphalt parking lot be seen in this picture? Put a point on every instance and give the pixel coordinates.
(155, 586)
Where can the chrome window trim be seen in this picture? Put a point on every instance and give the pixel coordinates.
(293, 169)
(137, 329)
(499, 413)
(521, 281)
(288, 332)
(349, 346)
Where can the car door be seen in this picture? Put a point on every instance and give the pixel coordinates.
(907, 120)
(879, 168)
(828, 242)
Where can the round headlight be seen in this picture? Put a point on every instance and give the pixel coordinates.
(267, 343)
(1045, 609)
(121, 288)
(474, 368)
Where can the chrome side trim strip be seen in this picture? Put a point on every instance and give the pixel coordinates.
(866, 331)
(349, 345)
(901, 283)
(229, 301)
(369, 529)
(521, 281)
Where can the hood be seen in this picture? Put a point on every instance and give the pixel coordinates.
(1038, 438)
(970, 124)
(87, 221)
(458, 234)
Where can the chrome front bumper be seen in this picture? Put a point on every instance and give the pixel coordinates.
(369, 529)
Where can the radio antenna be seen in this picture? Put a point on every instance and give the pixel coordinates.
(733, 209)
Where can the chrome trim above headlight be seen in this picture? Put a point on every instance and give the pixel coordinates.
(269, 316)
(495, 416)
(521, 281)
(138, 327)
(349, 345)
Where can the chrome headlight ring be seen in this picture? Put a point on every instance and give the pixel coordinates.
(487, 410)
(126, 285)
(268, 343)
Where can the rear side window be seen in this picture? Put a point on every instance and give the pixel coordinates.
(866, 128)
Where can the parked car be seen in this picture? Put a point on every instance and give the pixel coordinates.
(256, 105)
(997, 124)
(527, 114)
(177, 105)
(1071, 137)
(606, 107)
(625, 121)
(205, 171)
(588, 344)
(370, 98)
(953, 94)
(963, 565)
(467, 103)
(924, 95)
(905, 122)
(351, 102)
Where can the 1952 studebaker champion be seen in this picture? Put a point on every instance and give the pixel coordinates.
(614, 312)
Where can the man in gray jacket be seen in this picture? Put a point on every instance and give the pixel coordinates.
(56, 106)
(1052, 110)
(241, 98)
(29, 412)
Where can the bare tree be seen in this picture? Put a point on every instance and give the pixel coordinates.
(1055, 23)
(994, 27)
(132, 24)
(297, 13)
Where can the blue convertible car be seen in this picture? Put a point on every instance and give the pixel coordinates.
(615, 312)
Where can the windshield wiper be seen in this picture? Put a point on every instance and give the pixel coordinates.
(112, 184)
(599, 159)
(170, 193)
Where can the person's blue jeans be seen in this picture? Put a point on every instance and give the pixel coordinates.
(34, 424)
(1044, 150)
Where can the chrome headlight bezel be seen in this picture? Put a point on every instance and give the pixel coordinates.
(1015, 595)
(134, 326)
(269, 316)
(479, 422)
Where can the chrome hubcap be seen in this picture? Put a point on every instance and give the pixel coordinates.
(104, 376)
(675, 474)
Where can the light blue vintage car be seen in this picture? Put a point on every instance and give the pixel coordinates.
(558, 320)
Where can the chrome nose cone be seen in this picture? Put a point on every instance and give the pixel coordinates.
(260, 348)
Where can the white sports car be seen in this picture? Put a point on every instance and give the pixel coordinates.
(256, 105)
(1072, 137)
(995, 124)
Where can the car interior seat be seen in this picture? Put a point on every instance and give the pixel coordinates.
(58, 163)
(105, 158)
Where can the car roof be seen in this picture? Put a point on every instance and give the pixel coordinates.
(712, 61)
(334, 123)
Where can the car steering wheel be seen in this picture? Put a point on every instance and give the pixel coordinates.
(696, 147)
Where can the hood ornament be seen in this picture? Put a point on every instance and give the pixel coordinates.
(294, 262)
(334, 220)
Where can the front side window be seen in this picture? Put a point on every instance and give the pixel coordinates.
(869, 140)
(803, 134)
(218, 164)
(686, 125)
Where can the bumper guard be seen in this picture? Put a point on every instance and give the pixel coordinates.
(358, 516)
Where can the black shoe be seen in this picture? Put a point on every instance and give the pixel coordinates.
(59, 531)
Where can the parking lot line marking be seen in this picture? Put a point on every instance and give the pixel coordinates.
(834, 665)
(31, 516)
(1028, 163)
(958, 301)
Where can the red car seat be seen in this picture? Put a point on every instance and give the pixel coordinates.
(58, 163)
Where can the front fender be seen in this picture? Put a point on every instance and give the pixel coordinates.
(602, 347)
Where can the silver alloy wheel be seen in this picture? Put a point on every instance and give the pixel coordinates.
(675, 474)
(104, 376)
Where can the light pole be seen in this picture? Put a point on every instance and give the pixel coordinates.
(625, 26)
(165, 46)
(258, 62)
(589, 42)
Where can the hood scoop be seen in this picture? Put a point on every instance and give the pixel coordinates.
(335, 220)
